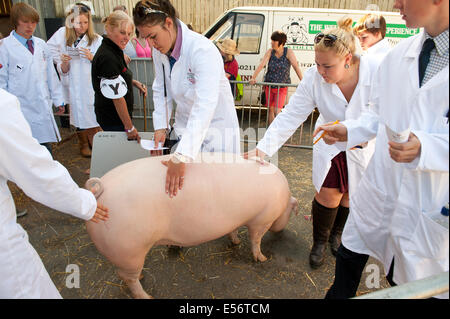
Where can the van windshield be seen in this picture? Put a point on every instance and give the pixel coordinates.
(244, 28)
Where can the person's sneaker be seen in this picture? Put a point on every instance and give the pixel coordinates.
(21, 213)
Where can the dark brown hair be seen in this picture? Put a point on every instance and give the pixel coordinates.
(153, 12)
(20, 11)
(279, 36)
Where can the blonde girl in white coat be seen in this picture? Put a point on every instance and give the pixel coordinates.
(189, 68)
(73, 48)
(339, 87)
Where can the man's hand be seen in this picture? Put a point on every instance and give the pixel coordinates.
(405, 152)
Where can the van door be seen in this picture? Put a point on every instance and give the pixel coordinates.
(249, 30)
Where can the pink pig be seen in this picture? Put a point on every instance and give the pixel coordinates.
(216, 199)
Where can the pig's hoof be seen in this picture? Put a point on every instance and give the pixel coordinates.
(234, 237)
(260, 258)
(235, 241)
(143, 295)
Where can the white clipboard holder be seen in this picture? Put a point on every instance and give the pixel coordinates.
(112, 149)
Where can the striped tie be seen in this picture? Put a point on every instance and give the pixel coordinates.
(30, 46)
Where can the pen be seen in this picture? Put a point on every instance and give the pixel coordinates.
(335, 122)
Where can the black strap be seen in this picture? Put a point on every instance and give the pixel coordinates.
(164, 75)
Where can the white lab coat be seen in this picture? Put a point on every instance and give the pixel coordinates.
(30, 166)
(33, 79)
(78, 79)
(380, 49)
(205, 116)
(393, 211)
(313, 92)
(55, 48)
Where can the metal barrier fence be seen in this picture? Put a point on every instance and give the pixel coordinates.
(419, 289)
(143, 71)
(251, 111)
(254, 113)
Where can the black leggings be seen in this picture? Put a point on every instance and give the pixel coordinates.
(349, 268)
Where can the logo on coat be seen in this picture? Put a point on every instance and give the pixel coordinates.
(191, 76)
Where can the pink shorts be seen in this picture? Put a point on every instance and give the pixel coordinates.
(276, 94)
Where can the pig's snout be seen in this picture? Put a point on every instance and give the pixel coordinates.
(95, 186)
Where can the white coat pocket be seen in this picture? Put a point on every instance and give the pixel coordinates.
(430, 239)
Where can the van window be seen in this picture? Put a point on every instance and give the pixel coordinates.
(244, 28)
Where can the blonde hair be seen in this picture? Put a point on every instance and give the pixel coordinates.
(372, 23)
(346, 41)
(71, 35)
(116, 20)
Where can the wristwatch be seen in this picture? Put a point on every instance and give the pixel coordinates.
(178, 158)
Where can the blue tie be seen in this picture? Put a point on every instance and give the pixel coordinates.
(424, 58)
(172, 61)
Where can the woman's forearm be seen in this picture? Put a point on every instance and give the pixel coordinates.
(122, 111)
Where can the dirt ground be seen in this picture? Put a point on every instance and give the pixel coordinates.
(215, 269)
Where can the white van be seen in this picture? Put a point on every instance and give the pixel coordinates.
(251, 28)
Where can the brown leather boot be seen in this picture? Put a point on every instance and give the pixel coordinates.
(84, 143)
(323, 219)
(338, 227)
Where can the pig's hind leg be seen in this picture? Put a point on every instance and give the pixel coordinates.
(280, 223)
(131, 274)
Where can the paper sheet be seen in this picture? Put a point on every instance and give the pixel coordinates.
(150, 145)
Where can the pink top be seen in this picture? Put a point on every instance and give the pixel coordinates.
(143, 52)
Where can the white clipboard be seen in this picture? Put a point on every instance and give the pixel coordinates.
(112, 149)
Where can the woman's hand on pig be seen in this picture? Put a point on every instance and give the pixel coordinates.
(101, 214)
(174, 177)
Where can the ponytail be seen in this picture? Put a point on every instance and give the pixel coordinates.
(346, 41)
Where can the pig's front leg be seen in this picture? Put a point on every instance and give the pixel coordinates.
(234, 237)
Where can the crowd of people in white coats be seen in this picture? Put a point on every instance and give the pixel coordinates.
(380, 158)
